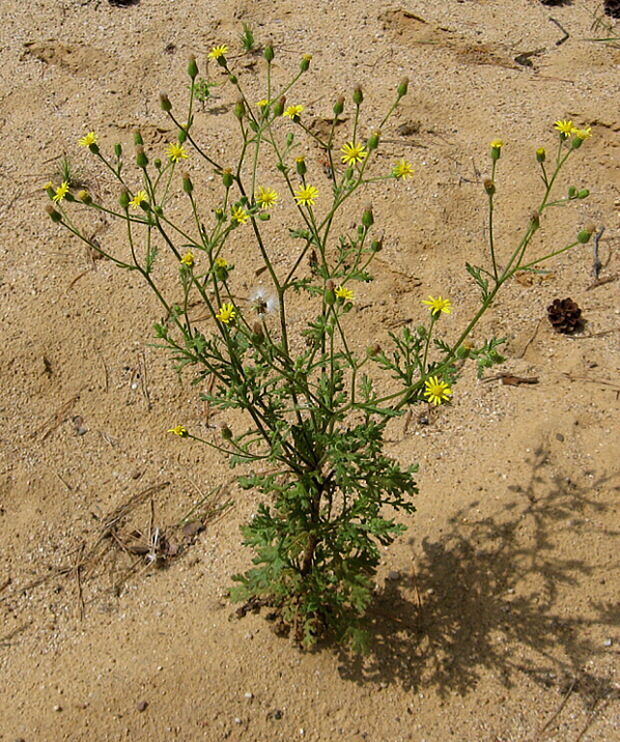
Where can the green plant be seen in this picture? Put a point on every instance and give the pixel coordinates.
(311, 412)
(247, 39)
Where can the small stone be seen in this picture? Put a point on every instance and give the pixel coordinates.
(249, 695)
(136, 474)
(430, 591)
(142, 706)
(277, 714)
(559, 437)
(237, 720)
(607, 643)
(57, 708)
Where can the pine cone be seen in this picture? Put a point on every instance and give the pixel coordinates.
(564, 315)
(612, 8)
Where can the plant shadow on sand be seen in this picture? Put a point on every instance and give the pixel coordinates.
(487, 594)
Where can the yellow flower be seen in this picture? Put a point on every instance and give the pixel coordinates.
(239, 215)
(436, 391)
(266, 197)
(88, 139)
(263, 103)
(179, 430)
(582, 133)
(403, 170)
(305, 195)
(188, 259)
(497, 144)
(218, 51)
(221, 262)
(139, 198)
(438, 305)
(293, 112)
(564, 127)
(176, 152)
(353, 153)
(61, 192)
(226, 313)
(344, 293)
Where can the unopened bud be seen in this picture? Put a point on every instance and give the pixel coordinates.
(188, 186)
(584, 193)
(141, 159)
(118, 150)
(268, 53)
(489, 186)
(192, 67)
(278, 106)
(55, 216)
(164, 102)
(226, 432)
(348, 173)
(541, 154)
(586, 233)
(535, 219)
(330, 293)
(300, 165)
(572, 192)
(367, 217)
(232, 79)
(137, 138)
(403, 86)
(124, 198)
(576, 143)
(239, 109)
(339, 106)
(305, 62)
(157, 163)
(373, 140)
(358, 95)
(264, 216)
(182, 135)
(376, 245)
(85, 197)
(374, 350)
(227, 178)
(258, 334)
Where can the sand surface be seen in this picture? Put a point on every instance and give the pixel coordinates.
(497, 614)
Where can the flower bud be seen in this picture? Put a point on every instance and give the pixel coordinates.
(227, 178)
(182, 135)
(300, 165)
(55, 216)
(220, 215)
(268, 53)
(572, 192)
(226, 432)
(305, 62)
(141, 158)
(403, 86)
(221, 60)
(137, 138)
(124, 199)
(489, 186)
(584, 193)
(541, 154)
(367, 217)
(157, 163)
(69, 197)
(373, 140)
(330, 293)
(264, 216)
(239, 109)
(278, 106)
(258, 334)
(339, 106)
(94, 148)
(118, 149)
(192, 67)
(358, 95)
(232, 79)
(374, 350)
(85, 197)
(50, 190)
(586, 233)
(576, 142)
(164, 102)
(535, 219)
(348, 173)
(376, 245)
(188, 186)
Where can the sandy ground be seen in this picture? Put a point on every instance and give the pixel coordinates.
(497, 615)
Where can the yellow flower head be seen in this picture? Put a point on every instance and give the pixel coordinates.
(582, 133)
(176, 152)
(564, 127)
(61, 192)
(139, 198)
(344, 293)
(218, 51)
(263, 103)
(188, 259)
(179, 430)
(227, 313)
(88, 139)
(497, 144)
(221, 263)
(305, 195)
(293, 112)
(353, 153)
(48, 185)
(403, 170)
(266, 197)
(438, 305)
(239, 215)
(436, 391)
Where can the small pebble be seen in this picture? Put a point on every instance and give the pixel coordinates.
(607, 643)
(142, 706)
(278, 714)
(249, 695)
(237, 720)
(57, 708)
(559, 437)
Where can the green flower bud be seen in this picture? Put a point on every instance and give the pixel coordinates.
(85, 197)
(264, 216)
(222, 61)
(157, 163)
(227, 178)
(339, 106)
(300, 165)
(268, 53)
(55, 216)
(192, 67)
(181, 135)
(584, 236)
(141, 158)
(305, 62)
(403, 86)
(541, 154)
(358, 96)
(118, 149)
(146, 206)
(164, 102)
(278, 106)
(232, 79)
(220, 215)
(373, 140)
(226, 431)
(253, 125)
(124, 199)
(188, 186)
(50, 191)
(489, 186)
(374, 350)
(239, 109)
(367, 217)
(94, 148)
(330, 293)
(376, 245)
(572, 192)
(348, 173)
(69, 197)
(137, 138)
(584, 193)
(535, 219)
(576, 143)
